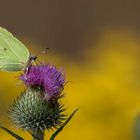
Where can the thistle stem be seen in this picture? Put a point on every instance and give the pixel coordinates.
(38, 135)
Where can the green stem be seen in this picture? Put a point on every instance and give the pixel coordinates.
(38, 135)
(63, 125)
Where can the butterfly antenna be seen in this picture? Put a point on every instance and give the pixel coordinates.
(43, 52)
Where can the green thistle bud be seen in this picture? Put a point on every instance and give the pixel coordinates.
(31, 111)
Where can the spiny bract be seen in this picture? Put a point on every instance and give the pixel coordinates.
(32, 111)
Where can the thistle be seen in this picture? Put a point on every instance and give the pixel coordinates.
(31, 112)
(38, 107)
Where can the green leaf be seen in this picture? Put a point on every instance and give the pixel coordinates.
(136, 128)
(63, 125)
(11, 133)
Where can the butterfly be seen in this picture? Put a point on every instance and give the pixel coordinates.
(14, 56)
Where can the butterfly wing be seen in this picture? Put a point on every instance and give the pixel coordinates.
(13, 54)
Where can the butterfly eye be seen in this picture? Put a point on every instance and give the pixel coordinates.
(33, 58)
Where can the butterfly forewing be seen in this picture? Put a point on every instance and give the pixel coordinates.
(13, 54)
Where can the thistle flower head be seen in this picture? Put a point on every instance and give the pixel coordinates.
(31, 111)
(46, 76)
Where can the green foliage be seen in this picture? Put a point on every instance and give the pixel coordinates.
(12, 133)
(136, 128)
(64, 124)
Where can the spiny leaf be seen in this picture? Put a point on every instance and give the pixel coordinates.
(34, 136)
(64, 124)
(12, 133)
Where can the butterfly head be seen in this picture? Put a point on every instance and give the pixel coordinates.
(33, 58)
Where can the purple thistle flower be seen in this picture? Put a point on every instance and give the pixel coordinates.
(46, 76)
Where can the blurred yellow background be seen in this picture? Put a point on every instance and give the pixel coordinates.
(98, 44)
